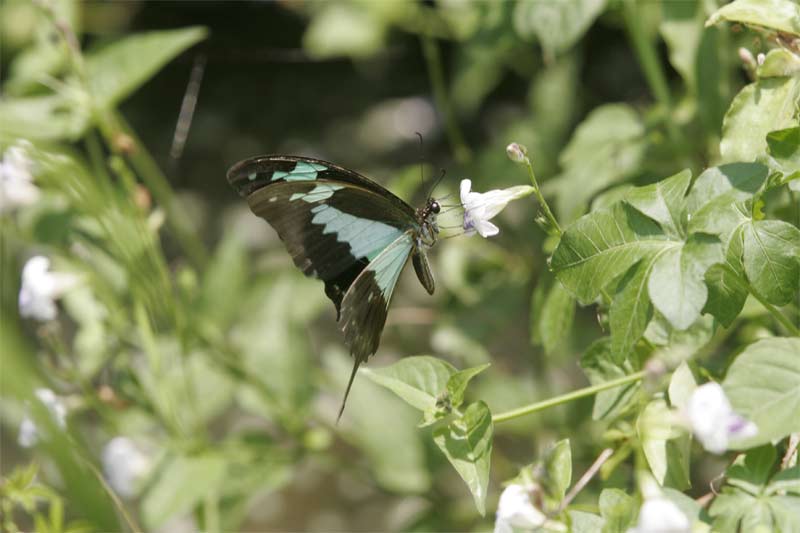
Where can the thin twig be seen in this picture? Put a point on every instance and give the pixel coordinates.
(790, 456)
(586, 478)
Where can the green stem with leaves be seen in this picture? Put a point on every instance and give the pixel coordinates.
(566, 398)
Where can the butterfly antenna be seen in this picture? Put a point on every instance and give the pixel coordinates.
(437, 182)
(421, 159)
(356, 363)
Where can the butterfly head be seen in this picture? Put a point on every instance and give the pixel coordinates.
(427, 221)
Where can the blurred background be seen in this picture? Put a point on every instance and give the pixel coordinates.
(190, 366)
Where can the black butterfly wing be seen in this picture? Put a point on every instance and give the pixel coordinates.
(332, 221)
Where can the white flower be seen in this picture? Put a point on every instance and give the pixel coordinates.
(28, 432)
(515, 511)
(40, 288)
(124, 466)
(713, 421)
(659, 515)
(16, 181)
(479, 208)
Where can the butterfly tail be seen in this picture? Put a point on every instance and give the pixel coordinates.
(356, 364)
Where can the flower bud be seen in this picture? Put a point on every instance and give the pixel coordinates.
(517, 152)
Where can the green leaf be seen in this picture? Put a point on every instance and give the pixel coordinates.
(777, 63)
(467, 444)
(119, 69)
(457, 384)
(771, 259)
(682, 28)
(599, 365)
(750, 502)
(681, 386)
(557, 25)
(663, 201)
(751, 472)
(617, 509)
(785, 481)
(676, 285)
(631, 309)
(727, 287)
(784, 151)
(50, 117)
(758, 109)
(606, 148)
(781, 15)
(375, 421)
(763, 385)
(181, 485)
(582, 522)
(600, 246)
(735, 181)
(417, 380)
(666, 446)
(558, 466)
(557, 315)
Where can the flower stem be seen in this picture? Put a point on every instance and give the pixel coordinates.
(564, 398)
(542, 202)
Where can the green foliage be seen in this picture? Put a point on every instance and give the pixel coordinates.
(674, 260)
(763, 383)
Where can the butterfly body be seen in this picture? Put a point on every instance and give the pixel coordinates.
(344, 229)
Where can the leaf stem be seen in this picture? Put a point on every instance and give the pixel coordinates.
(776, 314)
(433, 61)
(540, 197)
(570, 396)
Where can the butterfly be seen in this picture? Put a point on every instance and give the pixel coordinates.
(346, 230)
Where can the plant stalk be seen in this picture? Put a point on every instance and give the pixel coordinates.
(540, 198)
(565, 398)
(776, 314)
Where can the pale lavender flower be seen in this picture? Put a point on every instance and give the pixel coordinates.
(40, 288)
(712, 419)
(479, 208)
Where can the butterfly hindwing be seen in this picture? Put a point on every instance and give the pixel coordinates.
(366, 304)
